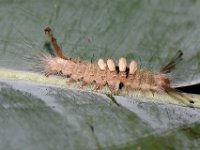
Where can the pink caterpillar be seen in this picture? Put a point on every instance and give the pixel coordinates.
(106, 73)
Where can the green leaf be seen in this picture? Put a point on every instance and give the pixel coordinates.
(34, 116)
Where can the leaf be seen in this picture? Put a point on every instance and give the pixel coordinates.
(54, 118)
(34, 116)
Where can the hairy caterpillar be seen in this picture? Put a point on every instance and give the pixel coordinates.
(107, 73)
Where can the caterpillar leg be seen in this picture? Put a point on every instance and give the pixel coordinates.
(83, 84)
(153, 92)
(97, 87)
(113, 88)
(144, 91)
(48, 73)
(70, 81)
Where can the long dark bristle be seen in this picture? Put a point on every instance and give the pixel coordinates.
(172, 63)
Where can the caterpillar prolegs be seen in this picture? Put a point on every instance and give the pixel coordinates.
(107, 73)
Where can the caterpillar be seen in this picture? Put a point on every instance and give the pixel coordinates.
(108, 74)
